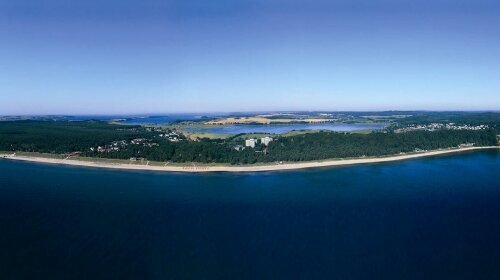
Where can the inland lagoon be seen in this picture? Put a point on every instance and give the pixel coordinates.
(282, 128)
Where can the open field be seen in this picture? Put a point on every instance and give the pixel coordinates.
(299, 132)
(201, 135)
(264, 120)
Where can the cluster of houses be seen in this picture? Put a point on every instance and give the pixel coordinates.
(466, 145)
(157, 129)
(141, 141)
(138, 141)
(113, 147)
(251, 143)
(118, 145)
(437, 126)
(172, 136)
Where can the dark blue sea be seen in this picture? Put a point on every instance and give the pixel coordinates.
(430, 218)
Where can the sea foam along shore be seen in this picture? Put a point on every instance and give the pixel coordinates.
(245, 168)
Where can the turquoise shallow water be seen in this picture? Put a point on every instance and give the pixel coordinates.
(430, 218)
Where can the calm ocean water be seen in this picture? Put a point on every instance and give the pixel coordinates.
(432, 218)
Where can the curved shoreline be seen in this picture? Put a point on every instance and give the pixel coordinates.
(248, 168)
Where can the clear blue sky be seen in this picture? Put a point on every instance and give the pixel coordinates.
(143, 56)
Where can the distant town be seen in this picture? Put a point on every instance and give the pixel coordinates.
(436, 126)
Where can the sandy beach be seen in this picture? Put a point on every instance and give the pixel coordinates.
(193, 167)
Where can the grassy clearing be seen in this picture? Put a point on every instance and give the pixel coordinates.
(200, 135)
(265, 120)
(299, 132)
(364, 131)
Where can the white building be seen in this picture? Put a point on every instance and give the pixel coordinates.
(239, 148)
(266, 140)
(250, 143)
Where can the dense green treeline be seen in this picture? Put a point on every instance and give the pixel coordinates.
(306, 147)
(339, 145)
(61, 136)
(192, 151)
(491, 119)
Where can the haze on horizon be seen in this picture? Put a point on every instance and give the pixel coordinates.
(131, 56)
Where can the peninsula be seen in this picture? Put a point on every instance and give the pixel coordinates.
(174, 146)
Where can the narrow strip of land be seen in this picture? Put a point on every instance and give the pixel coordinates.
(194, 167)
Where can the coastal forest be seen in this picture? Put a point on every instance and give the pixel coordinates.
(83, 137)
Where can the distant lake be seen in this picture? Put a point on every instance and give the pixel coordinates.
(282, 128)
(428, 218)
(159, 120)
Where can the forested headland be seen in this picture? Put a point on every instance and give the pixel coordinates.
(60, 137)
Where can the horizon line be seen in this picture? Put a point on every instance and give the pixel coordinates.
(250, 111)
